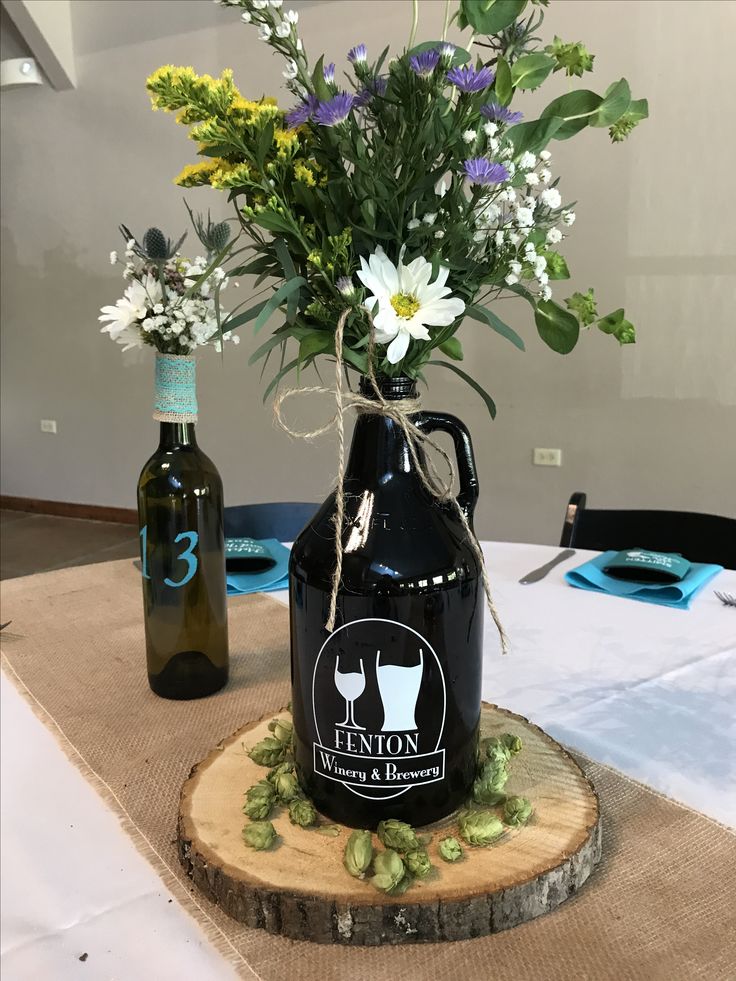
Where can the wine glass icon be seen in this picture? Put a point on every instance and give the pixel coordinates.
(351, 685)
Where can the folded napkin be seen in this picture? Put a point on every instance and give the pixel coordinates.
(590, 575)
(266, 581)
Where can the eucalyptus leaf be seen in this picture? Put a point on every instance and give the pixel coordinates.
(533, 136)
(576, 109)
(503, 86)
(615, 102)
(531, 70)
(489, 16)
(490, 404)
(558, 328)
(486, 316)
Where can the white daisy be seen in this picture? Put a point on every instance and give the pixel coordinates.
(133, 306)
(403, 301)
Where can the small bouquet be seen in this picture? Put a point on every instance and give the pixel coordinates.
(396, 205)
(171, 303)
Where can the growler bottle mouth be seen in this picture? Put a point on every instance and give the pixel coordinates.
(392, 389)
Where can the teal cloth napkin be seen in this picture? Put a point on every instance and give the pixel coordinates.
(590, 575)
(277, 577)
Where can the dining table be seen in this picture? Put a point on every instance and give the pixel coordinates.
(646, 689)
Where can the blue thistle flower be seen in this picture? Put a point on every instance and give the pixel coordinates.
(500, 114)
(302, 113)
(336, 110)
(467, 79)
(479, 170)
(358, 54)
(425, 62)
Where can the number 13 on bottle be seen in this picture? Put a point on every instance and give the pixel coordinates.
(187, 555)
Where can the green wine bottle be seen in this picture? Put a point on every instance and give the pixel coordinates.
(180, 511)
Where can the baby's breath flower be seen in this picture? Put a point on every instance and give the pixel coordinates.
(439, 233)
(545, 292)
(412, 224)
(490, 129)
(470, 136)
(554, 235)
(568, 217)
(545, 155)
(545, 175)
(113, 258)
(511, 279)
(524, 217)
(551, 197)
(532, 179)
(430, 218)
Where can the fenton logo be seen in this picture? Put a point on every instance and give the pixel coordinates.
(378, 695)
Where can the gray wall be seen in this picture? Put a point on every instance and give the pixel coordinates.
(650, 425)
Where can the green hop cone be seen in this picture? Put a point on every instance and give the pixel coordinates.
(268, 752)
(358, 853)
(259, 835)
(418, 863)
(302, 812)
(286, 767)
(282, 729)
(512, 743)
(450, 849)
(488, 785)
(287, 787)
(479, 827)
(517, 811)
(390, 873)
(259, 799)
(494, 750)
(398, 835)
(584, 306)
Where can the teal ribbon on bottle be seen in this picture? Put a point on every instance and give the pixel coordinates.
(175, 394)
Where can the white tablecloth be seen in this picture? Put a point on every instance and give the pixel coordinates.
(648, 689)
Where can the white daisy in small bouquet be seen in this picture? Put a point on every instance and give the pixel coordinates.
(171, 303)
(410, 194)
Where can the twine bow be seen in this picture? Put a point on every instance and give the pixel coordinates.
(400, 412)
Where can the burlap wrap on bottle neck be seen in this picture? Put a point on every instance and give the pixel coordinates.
(175, 393)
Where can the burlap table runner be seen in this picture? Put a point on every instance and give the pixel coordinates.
(660, 905)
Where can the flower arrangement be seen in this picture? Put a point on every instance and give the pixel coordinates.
(171, 303)
(412, 198)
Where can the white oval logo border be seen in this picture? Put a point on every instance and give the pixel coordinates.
(424, 640)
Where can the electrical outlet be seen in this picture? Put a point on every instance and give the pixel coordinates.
(48, 426)
(546, 458)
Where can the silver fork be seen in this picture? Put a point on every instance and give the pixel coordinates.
(726, 598)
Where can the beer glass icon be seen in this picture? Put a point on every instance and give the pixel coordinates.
(399, 687)
(351, 685)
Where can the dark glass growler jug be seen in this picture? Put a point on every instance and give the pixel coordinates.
(181, 519)
(386, 708)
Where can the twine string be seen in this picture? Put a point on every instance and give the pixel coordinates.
(400, 412)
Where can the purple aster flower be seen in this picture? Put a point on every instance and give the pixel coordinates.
(447, 50)
(375, 86)
(329, 73)
(358, 54)
(467, 79)
(479, 170)
(303, 112)
(500, 114)
(425, 62)
(336, 110)
(379, 85)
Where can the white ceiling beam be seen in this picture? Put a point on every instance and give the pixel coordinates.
(46, 26)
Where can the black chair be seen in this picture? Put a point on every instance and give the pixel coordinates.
(699, 537)
(282, 520)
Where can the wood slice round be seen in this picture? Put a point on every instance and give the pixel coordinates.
(300, 889)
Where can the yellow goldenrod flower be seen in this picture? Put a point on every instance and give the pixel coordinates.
(304, 173)
(195, 175)
(231, 175)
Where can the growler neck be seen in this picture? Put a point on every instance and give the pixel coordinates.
(176, 434)
(379, 448)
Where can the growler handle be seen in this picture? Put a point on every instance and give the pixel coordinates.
(429, 422)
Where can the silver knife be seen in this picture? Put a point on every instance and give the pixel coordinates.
(542, 571)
